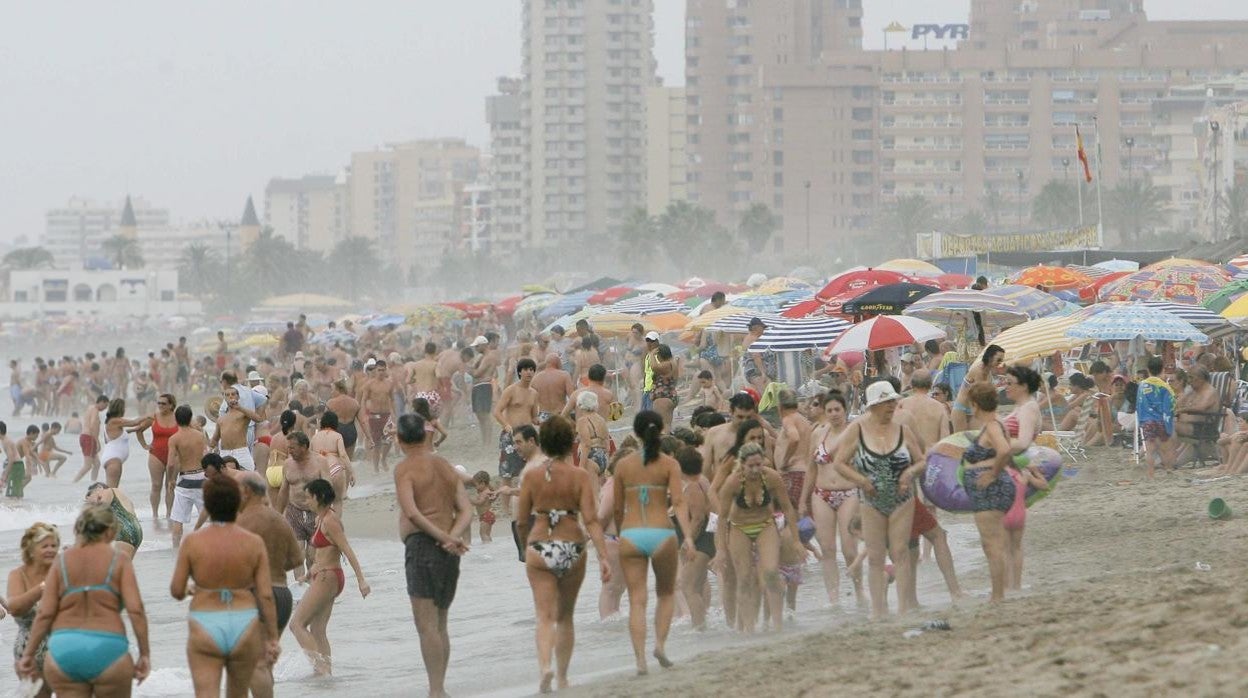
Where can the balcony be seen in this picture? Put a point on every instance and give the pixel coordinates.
(953, 101)
(912, 124)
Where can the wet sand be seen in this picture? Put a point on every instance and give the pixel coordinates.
(1113, 605)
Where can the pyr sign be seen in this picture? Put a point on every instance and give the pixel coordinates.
(940, 31)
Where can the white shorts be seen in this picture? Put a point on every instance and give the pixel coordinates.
(243, 456)
(186, 500)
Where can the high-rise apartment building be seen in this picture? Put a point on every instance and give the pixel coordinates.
(789, 111)
(586, 67)
(73, 232)
(309, 211)
(507, 170)
(667, 160)
(399, 195)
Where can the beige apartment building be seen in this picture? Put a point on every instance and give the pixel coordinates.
(586, 66)
(835, 136)
(310, 211)
(666, 153)
(74, 232)
(399, 194)
(506, 231)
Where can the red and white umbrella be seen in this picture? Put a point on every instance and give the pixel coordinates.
(883, 332)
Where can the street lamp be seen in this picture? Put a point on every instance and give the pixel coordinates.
(1066, 168)
(1019, 174)
(808, 215)
(951, 205)
(1130, 159)
(1217, 228)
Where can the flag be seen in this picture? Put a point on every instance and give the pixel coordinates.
(1083, 156)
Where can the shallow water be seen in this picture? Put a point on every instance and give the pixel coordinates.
(374, 641)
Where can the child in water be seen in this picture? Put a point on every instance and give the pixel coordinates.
(49, 452)
(709, 393)
(482, 498)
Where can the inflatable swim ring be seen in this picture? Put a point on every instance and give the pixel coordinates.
(943, 487)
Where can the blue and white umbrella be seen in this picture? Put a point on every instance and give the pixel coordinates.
(1127, 321)
(646, 305)
(565, 305)
(1201, 318)
(771, 302)
(792, 334)
(382, 320)
(740, 324)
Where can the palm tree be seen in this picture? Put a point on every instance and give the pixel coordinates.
(125, 252)
(971, 223)
(994, 206)
(199, 268)
(29, 258)
(905, 219)
(691, 237)
(1056, 206)
(357, 261)
(1235, 206)
(1134, 208)
(637, 242)
(756, 227)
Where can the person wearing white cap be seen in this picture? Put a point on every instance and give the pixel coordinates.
(483, 370)
(647, 384)
(880, 457)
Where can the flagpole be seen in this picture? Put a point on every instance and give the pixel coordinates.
(1100, 211)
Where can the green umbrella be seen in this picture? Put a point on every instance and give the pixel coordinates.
(1226, 295)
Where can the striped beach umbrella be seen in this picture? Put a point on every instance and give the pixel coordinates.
(1093, 273)
(1002, 306)
(569, 303)
(740, 324)
(1126, 321)
(647, 305)
(883, 332)
(769, 302)
(1202, 319)
(1118, 265)
(1045, 335)
(911, 267)
(786, 334)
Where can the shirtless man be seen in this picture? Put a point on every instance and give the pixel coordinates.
(1201, 400)
(554, 387)
(483, 382)
(516, 407)
(230, 438)
(377, 397)
(422, 379)
(792, 446)
(303, 466)
(928, 418)
(450, 362)
(434, 514)
(186, 450)
(182, 359)
(255, 515)
(89, 439)
(719, 440)
(597, 374)
(223, 350)
(586, 355)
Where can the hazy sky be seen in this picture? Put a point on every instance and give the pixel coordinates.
(196, 105)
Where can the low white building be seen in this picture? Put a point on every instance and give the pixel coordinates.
(112, 292)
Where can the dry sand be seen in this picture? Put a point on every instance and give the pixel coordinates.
(1113, 605)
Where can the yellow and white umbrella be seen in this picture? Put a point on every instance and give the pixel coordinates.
(911, 267)
(1043, 336)
(708, 318)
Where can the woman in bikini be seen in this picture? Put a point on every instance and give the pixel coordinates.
(692, 575)
(981, 371)
(40, 545)
(163, 475)
(329, 444)
(635, 361)
(557, 498)
(835, 501)
(747, 531)
(750, 430)
(879, 457)
(663, 392)
(348, 410)
(128, 534)
(310, 621)
(116, 442)
(591, 436)
(1021, 426)
(646, 484)
(990, 491)
(233, 622)
(83, 596)
(279, 451)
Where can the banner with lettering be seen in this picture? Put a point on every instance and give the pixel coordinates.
(936, 244)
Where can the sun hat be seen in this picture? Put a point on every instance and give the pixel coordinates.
(880, 392)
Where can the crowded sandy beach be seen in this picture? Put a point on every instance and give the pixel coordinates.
(641, 488)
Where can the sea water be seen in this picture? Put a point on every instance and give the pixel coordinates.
(375, 646)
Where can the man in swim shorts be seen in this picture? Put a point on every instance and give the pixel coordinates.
(303, 466)
(422, 379)
(435, 513)
(230, 438)
(89, 439)
(186, 450)
(257, 516)
(377, 397)
(554, 387)
(483, 371)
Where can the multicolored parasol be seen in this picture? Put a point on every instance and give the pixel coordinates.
(1051, 278)
(1174, 283)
